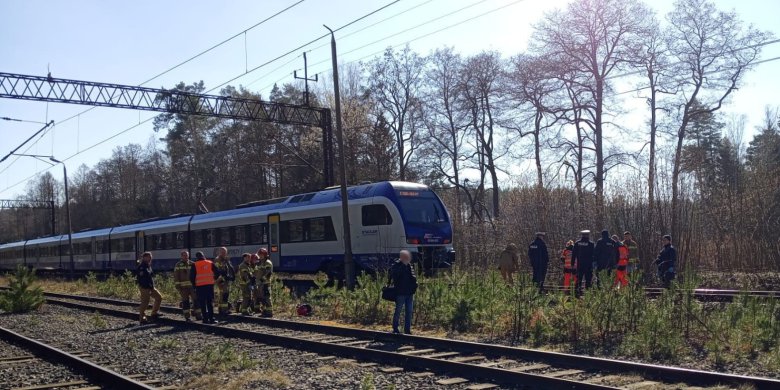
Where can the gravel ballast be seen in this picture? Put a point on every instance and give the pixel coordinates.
(31, 373)
(195, 360)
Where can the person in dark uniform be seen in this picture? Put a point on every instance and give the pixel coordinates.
(666, 261)
(605, 254)
(582, 255)
(537, 253)
(403, 277)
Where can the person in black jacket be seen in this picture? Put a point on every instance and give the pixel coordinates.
(666, 261)
(402, 276)
(537, 253)
(582, 255)
(146, 287)
(605, 254)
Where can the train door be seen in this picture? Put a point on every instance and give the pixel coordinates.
(377, 224)
(275, 248)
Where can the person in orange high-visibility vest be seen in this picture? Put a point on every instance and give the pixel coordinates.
(621, 276)
(202, 277)
(569, 266)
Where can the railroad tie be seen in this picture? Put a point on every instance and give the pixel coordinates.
(17, 361)
(640, 385)
(345, 361)
(451, 381)
(532, 367)
(442, 355)
(20, 357)
(497, 363)
(418, 352)
(482, 386)
(405, 348)
(325, 358)
(357, 342)
(603, 379)
(559, 374)
(365, 365)
(423, 374)
(466, 359)
(391, 370)
(52, 385)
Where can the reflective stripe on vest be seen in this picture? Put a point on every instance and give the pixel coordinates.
(182, 269)
(204, 275)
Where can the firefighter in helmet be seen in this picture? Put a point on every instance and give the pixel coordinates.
(263, 272)
(181, 278)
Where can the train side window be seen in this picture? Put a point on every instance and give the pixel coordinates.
(239, 237)
(376, 214)
(224, 235)
(211, 237)
(317, 229)
(179, 240)
(257, 233)
(292, 231)
(128, 244)
(196, 238)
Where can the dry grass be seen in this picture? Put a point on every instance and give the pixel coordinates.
(240, 380)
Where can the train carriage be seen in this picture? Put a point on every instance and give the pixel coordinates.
(90, 249)
(303, 233)
(44, 253)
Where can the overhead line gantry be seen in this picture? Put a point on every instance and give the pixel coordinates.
(57, 90)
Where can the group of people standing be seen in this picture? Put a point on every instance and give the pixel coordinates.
(196, 280)
(581, 258)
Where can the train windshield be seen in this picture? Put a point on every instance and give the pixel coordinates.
(421, 207)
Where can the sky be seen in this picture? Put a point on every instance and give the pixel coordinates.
(132, 42)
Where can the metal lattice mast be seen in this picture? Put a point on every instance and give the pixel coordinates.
(49, 89)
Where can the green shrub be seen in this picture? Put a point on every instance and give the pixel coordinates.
(22, 297)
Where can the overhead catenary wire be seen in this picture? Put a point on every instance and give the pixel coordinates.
(243, 32)
(411, 40)
(277, 58)
(252, 70)
(327, 44)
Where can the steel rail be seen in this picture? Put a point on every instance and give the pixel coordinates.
(492, 374)
(93, 371)
(660, 372)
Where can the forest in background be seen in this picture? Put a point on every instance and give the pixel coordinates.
(539, 140)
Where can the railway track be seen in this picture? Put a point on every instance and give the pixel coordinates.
(30, 351)
(478, 365)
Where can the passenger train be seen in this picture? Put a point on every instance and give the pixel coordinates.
(303, 234)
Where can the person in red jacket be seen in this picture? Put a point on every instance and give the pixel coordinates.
(569, 265)
(621, 276)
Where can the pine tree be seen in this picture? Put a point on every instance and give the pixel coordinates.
(22, 296)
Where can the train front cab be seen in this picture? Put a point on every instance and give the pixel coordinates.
(427, 228)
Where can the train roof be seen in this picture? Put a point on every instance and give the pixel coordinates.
(47, 239)
(90, 233)
(156, 223)
(328, 195)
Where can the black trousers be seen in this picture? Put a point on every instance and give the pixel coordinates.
(539, 274)
(584, 274)
(206, 301)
